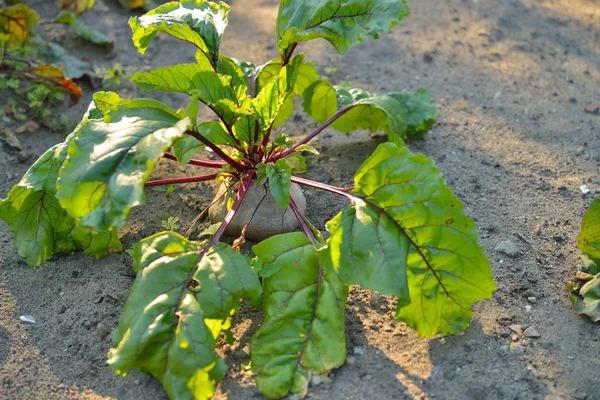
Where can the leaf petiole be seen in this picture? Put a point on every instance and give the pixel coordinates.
(195, 161)
(323, 186)
(186, 179)
(309, 137)
(302, 220)
(238, 166)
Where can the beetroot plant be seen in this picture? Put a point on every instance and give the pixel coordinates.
(403, 234)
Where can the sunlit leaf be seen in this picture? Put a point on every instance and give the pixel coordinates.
(589, 238)
(41, 227)
(77, 6)
(17, 24)
(199, 22)
(406, 234)
(200, 81)
(110, 160)
(181, 298)
(303, 329)
(342, 23)
(400, 114)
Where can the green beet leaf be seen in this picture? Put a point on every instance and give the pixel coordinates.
(240, 82)
(590, 304)
(41, 227)
(272, 96)
(179, 303)
(401, 114)
(200, 81)
(199, 22)
(589, 238)
(280, 182)
(342, 23)
(303, 330)
(306, 75)
(406, 226)
(110, 160)
(589, 244)
(104, 101)
(83, 30)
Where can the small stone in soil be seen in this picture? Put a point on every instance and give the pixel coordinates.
(508, 248)
(102, 330)
(351, 360)
(315, 380)
(517, 328)
(592, 109)
(531, 332)
(359, 351)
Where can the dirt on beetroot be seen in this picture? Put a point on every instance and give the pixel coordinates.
(512, 80)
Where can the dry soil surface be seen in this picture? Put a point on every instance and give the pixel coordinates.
(511, 78)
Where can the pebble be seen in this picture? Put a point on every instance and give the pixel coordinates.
(358, 351)
(584, 189)
(377, 300)
(528, 308)
(316, 380)
(592, 109)
(61, 386)
(508, 248)
(531, 332)
(102, 330)
(351, 360)
(367, 377)
(532, 299)
(27, 318)
(517, 328)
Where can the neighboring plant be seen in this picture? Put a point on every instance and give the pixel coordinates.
(587, 285)
(132, 4)
(76, 6)
(37, 74)
(404, 233)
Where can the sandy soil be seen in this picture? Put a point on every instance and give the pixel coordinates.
(511, 79)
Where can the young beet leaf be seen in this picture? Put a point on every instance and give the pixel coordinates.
(403, 234)
(589, 244)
